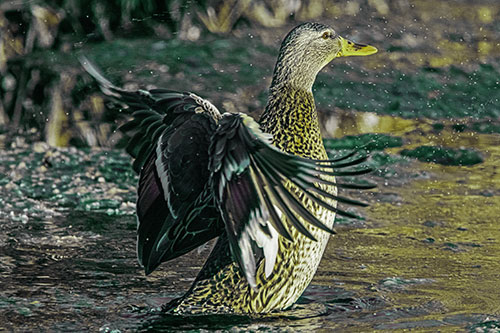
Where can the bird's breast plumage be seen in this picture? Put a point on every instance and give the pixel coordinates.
(292, 121)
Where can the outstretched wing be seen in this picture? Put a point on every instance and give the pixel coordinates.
(250, 181)
(171, 133)
(181, 215)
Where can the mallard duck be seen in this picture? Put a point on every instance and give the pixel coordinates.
(266, 189)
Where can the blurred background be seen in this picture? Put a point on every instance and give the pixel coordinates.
(436, 59)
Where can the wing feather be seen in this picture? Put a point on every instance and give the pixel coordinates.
(170, 135)
(256, 189)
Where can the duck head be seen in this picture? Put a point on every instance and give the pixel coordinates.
(307, 49)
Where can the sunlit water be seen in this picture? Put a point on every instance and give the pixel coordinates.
(427, 255)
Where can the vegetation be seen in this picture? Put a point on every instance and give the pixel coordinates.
(225, 51)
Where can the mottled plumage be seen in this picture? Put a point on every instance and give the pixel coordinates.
(265, 189)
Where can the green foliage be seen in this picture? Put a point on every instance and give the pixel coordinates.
(444, 93)
(104, 18)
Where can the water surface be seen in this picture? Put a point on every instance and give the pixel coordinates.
(426, 255)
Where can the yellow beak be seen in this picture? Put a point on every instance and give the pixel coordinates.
(349, 48)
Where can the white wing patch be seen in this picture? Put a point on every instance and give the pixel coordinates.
(271, 251)
(205, 106)
(160, 168)
(260, 231)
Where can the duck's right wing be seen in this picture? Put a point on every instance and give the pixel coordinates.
(251, 183)
(170, 133)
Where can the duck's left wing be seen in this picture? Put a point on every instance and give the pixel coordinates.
(251, 182)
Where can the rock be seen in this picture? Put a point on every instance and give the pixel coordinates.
(40, 147)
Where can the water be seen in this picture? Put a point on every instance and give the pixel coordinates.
(426, 256)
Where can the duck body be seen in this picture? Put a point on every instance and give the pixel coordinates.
(265, 189)
(292, 121)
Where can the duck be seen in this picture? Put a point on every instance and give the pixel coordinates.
(265, 189)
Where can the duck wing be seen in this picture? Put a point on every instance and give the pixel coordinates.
(170, 138)
(251, 181)
(175, 208)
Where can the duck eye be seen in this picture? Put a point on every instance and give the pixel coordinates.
(326, 35)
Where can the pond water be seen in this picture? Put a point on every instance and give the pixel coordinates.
(426, 256)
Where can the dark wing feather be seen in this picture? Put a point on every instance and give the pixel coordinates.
(170, 136)
(181, 166)
(251, 184)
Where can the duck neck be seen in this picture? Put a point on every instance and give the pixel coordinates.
(292, 68)
(291, 117)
